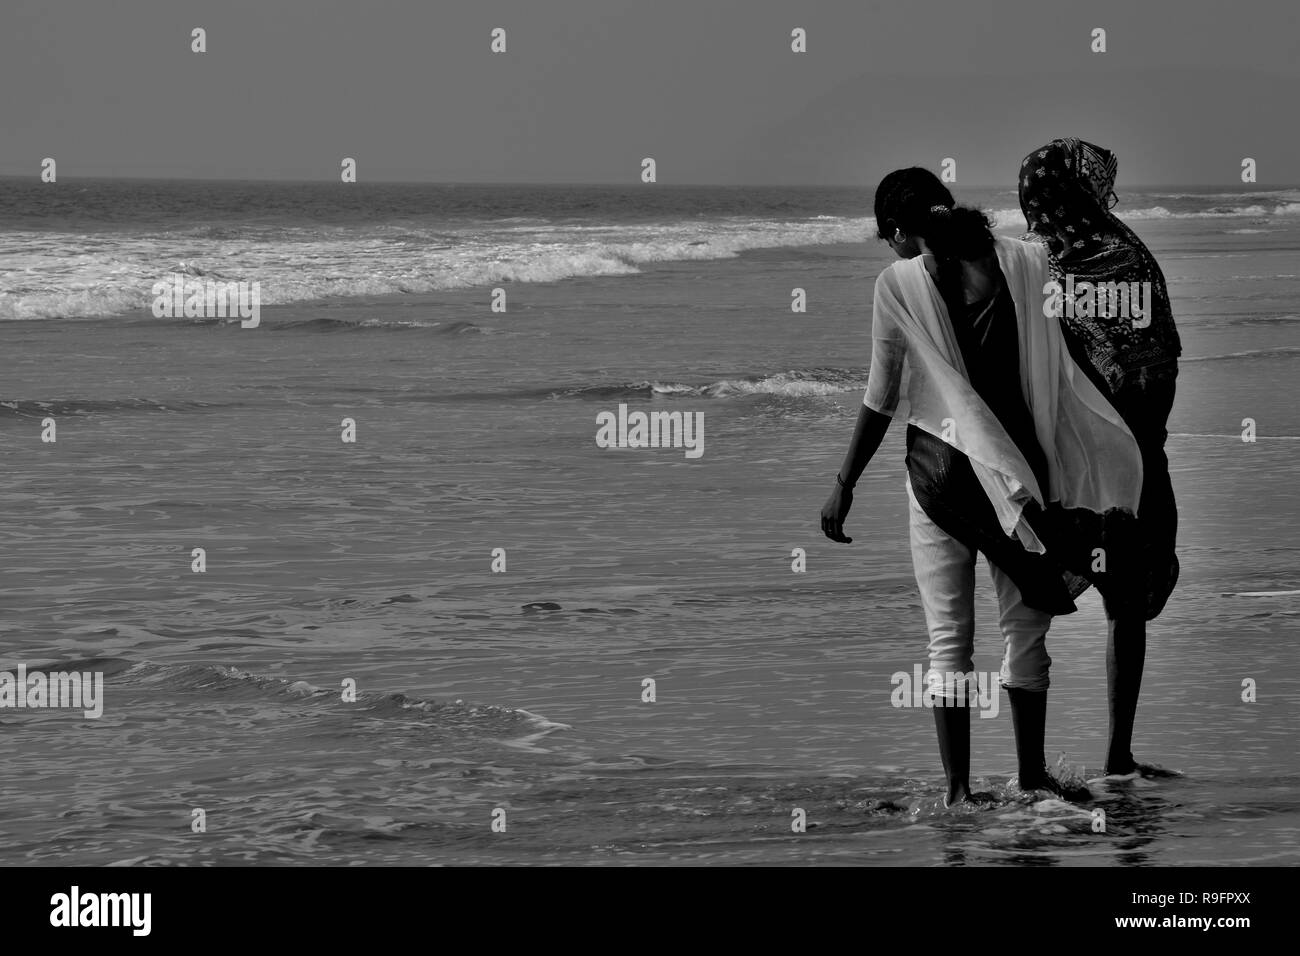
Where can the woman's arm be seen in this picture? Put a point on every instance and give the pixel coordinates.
(878, 404)
(867, 436)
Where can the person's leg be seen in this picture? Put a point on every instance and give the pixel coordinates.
(952, 725)
(945, 575)
(1025, 668)
(1029, 722)
(1146, 410)
(1126, 648)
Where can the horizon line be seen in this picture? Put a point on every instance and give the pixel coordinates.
(689, 185)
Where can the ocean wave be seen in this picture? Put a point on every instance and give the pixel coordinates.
(1214, 212)
(805, 383)
(86, 278)
(79, 302)
(230, 682)
(74, 406)
(1289, 195)
(1013, 218)
(1248, 354)
(392, 324)
(68, 275)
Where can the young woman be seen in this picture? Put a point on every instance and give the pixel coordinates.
(992, 380)
(1066, 193)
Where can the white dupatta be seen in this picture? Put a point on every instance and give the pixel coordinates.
(1093, 461)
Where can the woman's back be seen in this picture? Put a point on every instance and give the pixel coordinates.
(983, 317)
(979, 278)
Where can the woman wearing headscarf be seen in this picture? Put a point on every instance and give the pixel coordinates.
(1067, 189)
(991, 381)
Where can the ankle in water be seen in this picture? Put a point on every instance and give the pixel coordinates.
(1065, 782)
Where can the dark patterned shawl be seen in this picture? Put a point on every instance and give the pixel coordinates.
(1065, 190)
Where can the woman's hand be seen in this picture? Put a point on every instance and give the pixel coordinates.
(835, 511)
(867, 435)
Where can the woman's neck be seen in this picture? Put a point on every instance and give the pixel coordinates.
(978, 276)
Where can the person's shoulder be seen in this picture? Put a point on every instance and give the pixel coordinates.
(1021, 249)
(1021, 244)
(888, 293)
(890, 275)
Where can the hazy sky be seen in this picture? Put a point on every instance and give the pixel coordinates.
(710, 89)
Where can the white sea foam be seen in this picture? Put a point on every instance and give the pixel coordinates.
(69, 275)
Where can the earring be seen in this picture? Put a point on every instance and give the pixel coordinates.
(898, 236)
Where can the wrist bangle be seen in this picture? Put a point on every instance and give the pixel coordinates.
(846, 487)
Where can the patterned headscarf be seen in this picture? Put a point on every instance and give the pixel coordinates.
(1066, 190)
(1097, 166)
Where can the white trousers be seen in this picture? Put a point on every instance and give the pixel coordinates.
(945, 573)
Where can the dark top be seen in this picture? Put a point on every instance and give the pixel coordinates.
(989, 339)
(990, 345)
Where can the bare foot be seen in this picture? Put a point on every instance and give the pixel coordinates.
(1049, 785)
(1154, 770)
(1149, 771)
